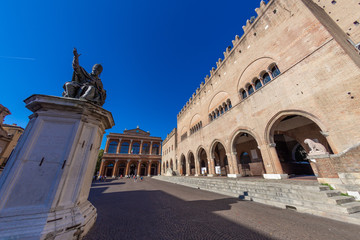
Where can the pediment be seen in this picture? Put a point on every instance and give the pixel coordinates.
(137, 131)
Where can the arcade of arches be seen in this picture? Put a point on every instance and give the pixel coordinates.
(286, 145)
(133, 152)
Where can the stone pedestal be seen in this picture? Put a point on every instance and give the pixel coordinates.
(45, 185)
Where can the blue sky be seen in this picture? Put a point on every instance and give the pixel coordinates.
(154, 53)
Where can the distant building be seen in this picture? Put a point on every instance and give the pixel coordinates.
(133, 152)
(293, 75)
(9, 136)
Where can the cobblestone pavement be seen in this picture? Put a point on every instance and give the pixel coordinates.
(152, 209)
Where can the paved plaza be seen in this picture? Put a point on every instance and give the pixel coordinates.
(152, 209)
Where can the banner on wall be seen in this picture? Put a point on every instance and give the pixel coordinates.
(217, 169)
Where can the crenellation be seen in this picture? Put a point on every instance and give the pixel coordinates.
(227, 52)
(212, 71)
(218, 63)
(206, 78)
(236, 40)
(261, 9)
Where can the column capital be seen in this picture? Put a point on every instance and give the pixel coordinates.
(139, 161)
(103, 160)
(116, 160)
(142, 141)
(234, 153)
(150, 160)
(128, 160)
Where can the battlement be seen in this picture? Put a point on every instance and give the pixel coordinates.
(228, 52)
(170, 135)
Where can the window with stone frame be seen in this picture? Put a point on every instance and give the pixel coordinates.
(112, 147)
(124, 147)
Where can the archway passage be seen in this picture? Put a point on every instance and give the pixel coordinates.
(122, 169)
(289, 133)
(204, 168)
(192, 164)
(220, 158)
(248, 156)
(143, 171)
(183, 165)
(109, 170)
(153, 170)
(133, 169)
(171, 165)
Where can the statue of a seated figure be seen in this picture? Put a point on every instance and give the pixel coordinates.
(84, 85)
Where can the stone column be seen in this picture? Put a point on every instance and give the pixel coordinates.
(138, 168)
(101, 168)
(235, 169)
(159, 168)
(118, 147)
(141, 147)
(211, 167)
(197, 166)
(160, 148)
(58, 152)
(127, 168)
(130, 146)
(187, 168)
(272, 163)
(149, 169)
(107, 145)
(114, 173)
(151, 147)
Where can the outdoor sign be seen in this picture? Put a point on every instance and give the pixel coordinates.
(217, 170)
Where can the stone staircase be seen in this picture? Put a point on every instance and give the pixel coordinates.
(303, 196)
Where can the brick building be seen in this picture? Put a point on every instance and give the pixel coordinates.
(293, 75)
(133, 152)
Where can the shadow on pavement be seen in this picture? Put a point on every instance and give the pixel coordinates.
(157, 215)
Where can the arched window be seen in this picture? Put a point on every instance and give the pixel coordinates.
(146, 148)
(229, 103)
(124, 147)
(258, 84)
(221, 110)
(217, 113)
(176, 163)
(112, 147)
(226, 108)
(250, 89)
(167, 164)
(275, 71)
(135, 148)
(155, 149)
(243, 94)
(266, 78)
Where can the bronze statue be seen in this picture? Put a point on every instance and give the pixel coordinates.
(84, 85)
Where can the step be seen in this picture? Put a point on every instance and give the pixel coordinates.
(352, 207)
(341, 199)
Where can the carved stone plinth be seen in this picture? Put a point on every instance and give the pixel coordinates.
(45, 185)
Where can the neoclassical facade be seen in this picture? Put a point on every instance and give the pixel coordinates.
(9, 136)
(133, 152)
(293, 75)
